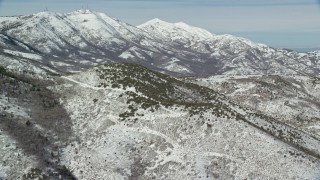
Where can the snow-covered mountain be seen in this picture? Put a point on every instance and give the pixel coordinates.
(76, 104)
(177, 32)
(84, 38)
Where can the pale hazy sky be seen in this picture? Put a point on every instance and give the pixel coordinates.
(291, 24)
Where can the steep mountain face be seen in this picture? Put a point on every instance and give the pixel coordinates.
(50, 32)
(82, 39)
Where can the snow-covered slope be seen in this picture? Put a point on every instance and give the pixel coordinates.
(291, 99)
(178, 32)
(124, 121)
(50, 32)
(151, 139)
(85, 38)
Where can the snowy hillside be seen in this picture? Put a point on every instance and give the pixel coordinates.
(291, 99)
(124, 121)
(85, 38)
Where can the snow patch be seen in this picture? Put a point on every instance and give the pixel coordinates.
(24, 55)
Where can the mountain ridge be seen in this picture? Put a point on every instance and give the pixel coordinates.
(81, 39)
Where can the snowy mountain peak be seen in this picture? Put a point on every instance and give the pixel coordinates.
(238, 41)
(44, 13)
(176, 31)
(82, 11)
(155, 21)
(80, 28)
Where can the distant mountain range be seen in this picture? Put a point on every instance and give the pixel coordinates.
(304, 49)
(84, 38)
